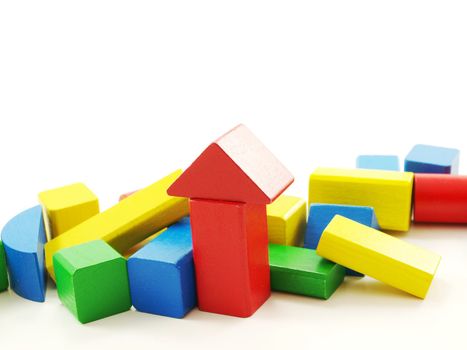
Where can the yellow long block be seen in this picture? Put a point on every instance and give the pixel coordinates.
(388, 192)
(126, 223)
(379, 255)
(287, 220)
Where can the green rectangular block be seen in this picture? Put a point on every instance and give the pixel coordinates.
(3, 271)
(301, 271)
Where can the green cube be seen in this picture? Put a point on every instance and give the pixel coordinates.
(3, 271)
(301, 271)
(92, 280)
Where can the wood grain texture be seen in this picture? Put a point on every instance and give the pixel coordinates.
(287, 220)
(432, 159)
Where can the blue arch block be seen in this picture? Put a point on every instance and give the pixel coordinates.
(320, 216)
(24, 238)
(378, 162)
(162, 275)
(432, 159)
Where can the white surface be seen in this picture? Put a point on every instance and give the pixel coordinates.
(118, 93)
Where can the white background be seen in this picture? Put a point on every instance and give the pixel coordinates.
(117, 94)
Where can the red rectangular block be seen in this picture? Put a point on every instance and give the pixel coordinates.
(230, 251)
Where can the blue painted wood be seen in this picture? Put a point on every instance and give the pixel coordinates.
(432, 160)
(162, 275)
(23, 239)
(320, 216)
(378, 162)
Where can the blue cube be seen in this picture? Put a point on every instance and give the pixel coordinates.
(378, 162)
(432, 160)
(162, 274)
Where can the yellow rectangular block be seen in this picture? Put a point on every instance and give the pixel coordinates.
(379, 255)
(66, 207)
(126, 223)
(388, 192)
(287, 220)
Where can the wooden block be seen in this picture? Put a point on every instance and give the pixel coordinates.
(378, 255)
(3, 270)
(236, 167)
(432, 159)
(162, 275)
(287, 220)
(126, 223)
(301, 271)
(230, 249)
(141, 244)
(23, 239)
(321, 215)
(67, 206)
(92, 281)
(378, 162)
(126, 195)
(440, 198)
(388, 192)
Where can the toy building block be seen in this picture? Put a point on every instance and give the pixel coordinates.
(440, 198)
(65, 207)
(230, 184)
(287, 220)
(126, 195)
(379, 255)
(92, 281)
(432, 159)
(141, 244)
(3, 270)
(23, 239)
(162, 275)
(126, 223)
(388, 192)
(378, 162)
(301, 271)
(321, 215)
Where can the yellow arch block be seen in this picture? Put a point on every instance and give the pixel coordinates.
(388, 192)
(126, 223)
(379, 255)
(287, 220)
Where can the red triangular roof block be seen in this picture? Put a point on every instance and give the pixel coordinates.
(236, 167)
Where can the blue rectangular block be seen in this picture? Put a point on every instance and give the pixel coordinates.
(320, 216)
(432, 160)
(378, 162)
(162, 275)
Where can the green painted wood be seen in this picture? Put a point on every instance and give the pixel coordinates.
(3, 270)
(92, 281)
(301, 271)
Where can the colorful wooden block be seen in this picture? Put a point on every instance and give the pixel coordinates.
(92, 281)
(126, 223)
(378, 162)
(440, 198)
(321, 215)
(379, 255)
(301, 271)
(65, 207)
(3, 270)
(388, 192)
(23, 239)
(162, 275)
(287, 220)
(432, 159)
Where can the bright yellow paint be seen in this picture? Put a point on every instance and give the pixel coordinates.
(379, 255)
(388, 192)
(66, 207)
(287, 220)
(126, 223)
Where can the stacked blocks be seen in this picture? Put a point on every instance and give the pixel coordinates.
(388, 192)
(162, 275)
(432, 159)
(92, 281)
(322, 214)
(3, 270)
(378, 162)
(65, 207)
(23, 239)
(378, 255)
(301, 271)
(287, 220)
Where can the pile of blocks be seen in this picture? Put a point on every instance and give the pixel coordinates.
(221, 234)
